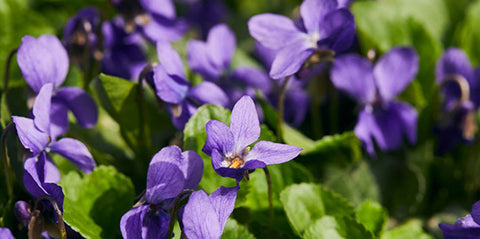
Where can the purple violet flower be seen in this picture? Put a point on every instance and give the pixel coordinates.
(375, 88)
(44, 60)
(5, 233)
(460, 85)
(323, 26)
(169, 173)
(173, 88)
(229, 146)
(467, 227)
(204, 14)
(204, 216)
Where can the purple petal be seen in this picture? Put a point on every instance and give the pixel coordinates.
(274, 31)
(163, 8)
(252, 77)
(81, 104)
(160, 29)
(395, 70)
(155, 224)
(5, 233)
(223, 201)
(219, 137)
(273, 153)
(131, 222)
(314, 11)
(209, 93)
(476, 212)
(453, 61)
(217, 163)
(22, 212)
(76, 152)
(171, 89)
(31, 137)
(199, 61)
(41, 108)
(170, 59)
(290, 59)
(42, 60)
(51, 172)
(186, 112)
(338, 31)
(58, 118)
(354, 75)
(200, 219)
(193, 169)
(408, 117)
(244, 124)
(221, 46)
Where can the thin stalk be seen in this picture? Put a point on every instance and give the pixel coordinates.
(141, 107)
(6, 160)
(87, 30)
(173, 214)
(58, 212)
(281, 101)
(6, 75)
(270, 193)
(333, 111)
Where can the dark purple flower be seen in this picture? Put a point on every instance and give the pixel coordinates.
(204, 14)
(39, 134)
(460, 85)
(467, 227)
(323, 26)
(22, 212)
(229, 146)
(79, 34)
(173, 88)
(205, 215)
(6, 233)
(170, 172)
(155, 19)
(43, 61)
(122, 55)
(375, 88)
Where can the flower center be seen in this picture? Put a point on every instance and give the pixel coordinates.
(234, 160)
(313, 38)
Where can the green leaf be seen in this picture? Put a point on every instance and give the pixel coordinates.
(469, 35)
(330, 227)
(95, 203)
(372, 216)
(411, 229)
(234, 230)
(345, 144)
(195, 137)
(306, 203)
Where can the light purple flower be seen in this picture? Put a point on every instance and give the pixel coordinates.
(173, 88)
(375, 88)
(169, 173)
(323, 26)
(6, 233)
(465, 227)
(205, 215)
(229, 146)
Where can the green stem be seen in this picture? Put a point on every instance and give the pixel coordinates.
(6, 75)
(270, 193)
(54, 203)
(87, 29)
(142, 135)
(281, 101)
(333, 111)
(6, 160)
(173, 214)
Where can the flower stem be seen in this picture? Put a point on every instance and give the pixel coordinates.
(281, 100)
(87, 30)
(173, 214)
(58, 212)
(6, 75)
(6, 160)
(141, 108)
(270, 193)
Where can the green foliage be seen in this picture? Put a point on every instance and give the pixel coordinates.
(336, 228)
(95, 203)
(233, 230)
(411, 229)
(372, 216)
(469, 35)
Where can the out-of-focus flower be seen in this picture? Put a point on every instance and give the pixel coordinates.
(467, 227)
(205, 215)
(375, 88)
(170, 172)
(204, 14)
(6, 233)
(460, 85)
(172, 87)
(229, 146)
(324, 26)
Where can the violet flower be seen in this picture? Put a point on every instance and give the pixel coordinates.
(323, 26)
(170, 172)
(229, 146)
(173, 88)
(39, 134)
(375, 88)
(212, 60)
(44, 60)
(467, 227)
(204, 14)
(155, 19)
(460, 85)
(122, 55)
(204, 216)
(6, 233)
